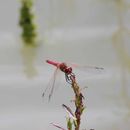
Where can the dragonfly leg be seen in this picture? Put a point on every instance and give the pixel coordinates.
(70, 78)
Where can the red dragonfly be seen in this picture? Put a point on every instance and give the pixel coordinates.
(67, 70)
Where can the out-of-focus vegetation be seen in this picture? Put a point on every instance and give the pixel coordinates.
(28, 26)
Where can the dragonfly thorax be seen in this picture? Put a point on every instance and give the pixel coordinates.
(63, 67)
(68, 70)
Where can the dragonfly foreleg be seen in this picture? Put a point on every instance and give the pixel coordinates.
(70, 78)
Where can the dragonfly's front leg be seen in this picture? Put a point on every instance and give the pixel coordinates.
(70, 78)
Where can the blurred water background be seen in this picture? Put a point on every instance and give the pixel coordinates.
(87, 32)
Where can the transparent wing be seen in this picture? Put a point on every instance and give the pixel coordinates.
(86, 68)
(52, 84)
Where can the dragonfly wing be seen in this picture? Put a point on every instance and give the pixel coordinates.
(50, 87)
(53, 83)
(87, 68)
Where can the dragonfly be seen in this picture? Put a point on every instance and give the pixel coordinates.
(67, 69)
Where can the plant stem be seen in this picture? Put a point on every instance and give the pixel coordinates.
(78, 104)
